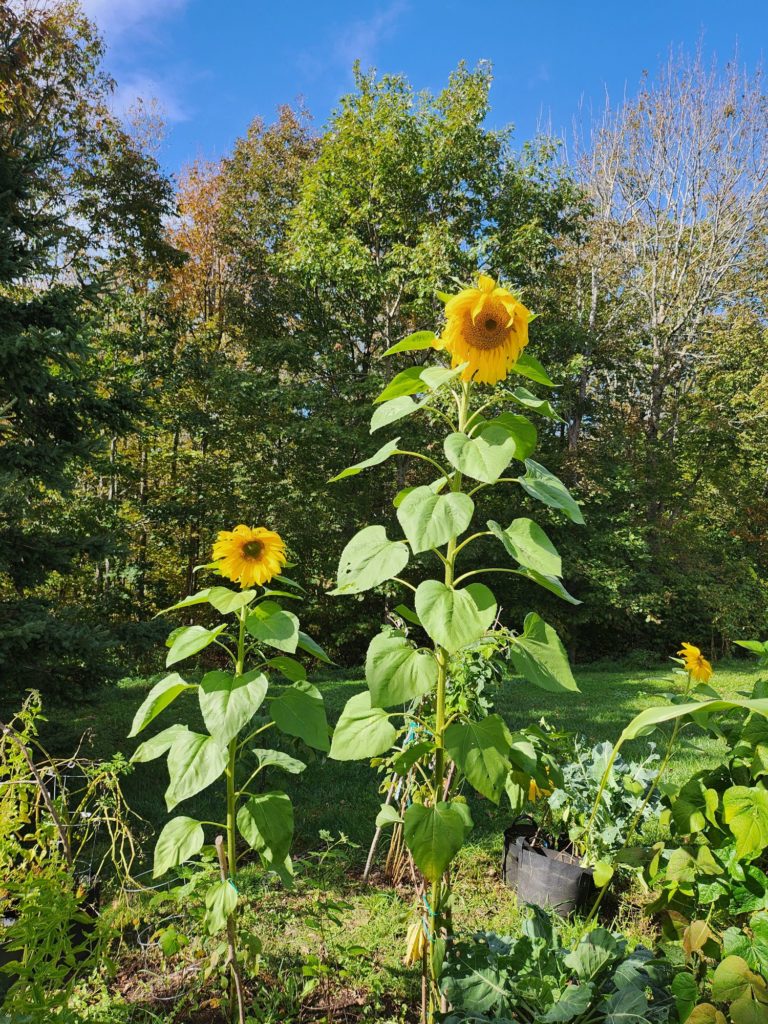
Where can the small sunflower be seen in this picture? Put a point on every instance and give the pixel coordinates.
(696, 663)
(486, 327)
(248, 555)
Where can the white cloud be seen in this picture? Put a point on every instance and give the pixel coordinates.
(117, 16)
(360, 40)
(138, 85)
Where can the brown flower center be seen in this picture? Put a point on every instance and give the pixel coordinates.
(253, 549)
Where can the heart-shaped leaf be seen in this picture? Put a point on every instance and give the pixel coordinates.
(481, 749)
(299, 711)
(194, 762)
(362, 730)
(180, 839)
(454, 618)
(273, 625)
(229, 702)
(370, 558)
(539, 655)
(434, 835)
(396, 671)
(545, 487)
(430, 520)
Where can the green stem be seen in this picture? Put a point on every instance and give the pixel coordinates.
(440, 890)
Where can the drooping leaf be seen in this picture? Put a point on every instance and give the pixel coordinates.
(299, 711)
(288, 667)
(392, 411)
(158, 745)
(454, 618)
(531, 368)
(384, 453)
(434, 835)
(273, 625)
(526, 542)
(229, 702)
(481, 749)
(370, 558)
(159, 697)
(540, 405)
(308, 645)
(277, 759)
(220, 902)
(429, 520)
(396, 671)
(539, 655)
(413, 343)
(194, 762)
(362, 731)
(180, 839)
(545, 487)
(646, 721)
(265, 821)
(191, 640)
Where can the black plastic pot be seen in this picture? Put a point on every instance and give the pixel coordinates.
(523, 827)
(553, 879)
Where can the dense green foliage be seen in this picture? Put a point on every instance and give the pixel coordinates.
(150, 400)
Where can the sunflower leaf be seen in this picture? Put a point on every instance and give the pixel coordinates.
(370, 558)
(386, 450)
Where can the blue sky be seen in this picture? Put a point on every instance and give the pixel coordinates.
(215, 64)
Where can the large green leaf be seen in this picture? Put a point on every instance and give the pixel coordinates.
(693, 807)
(369, 559)
(550, 583)
(220, 902)
(385, 452)
(745, 810)
(265, 821)
(454, 618)
(158, 698)
(539, 655)
(483, 457)
(545, 487)
(273, 625)
(528, 544)
(288, 667)
(396, 671)
(413, 343)
(180, 839)
(594, 952)
(194, 762)
(522, 430)
(277, 759)
(733, 979)
(191, 640)
(362, 731)
(480, 749)
(430, 520)
(407, 382)
(647, 720)
(540, 405)
(299, 711)
(393, 410)
(158, 745)
(308, 645)
(229, 702)
(226, 601)
(201, 597)
(528, 366)
(434, 835)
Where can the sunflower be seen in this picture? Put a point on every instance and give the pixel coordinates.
(486, 327)
(696, 663)
(248, 555)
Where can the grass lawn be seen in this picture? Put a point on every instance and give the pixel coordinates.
(344, 798)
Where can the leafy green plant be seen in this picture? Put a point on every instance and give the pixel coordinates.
(537, 977)
(622, 803)
(409, 672)
(238, 706)
(61, 824)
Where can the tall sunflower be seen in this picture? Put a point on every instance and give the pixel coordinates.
(486, 327)
(248, 555)
(696, 663)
